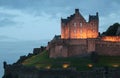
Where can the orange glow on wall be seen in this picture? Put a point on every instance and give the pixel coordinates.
(78, 35)
(111, 38)
(75, 27)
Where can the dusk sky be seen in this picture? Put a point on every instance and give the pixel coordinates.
(40, 19)
(25, 24)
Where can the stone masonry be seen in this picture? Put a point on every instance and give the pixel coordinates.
(79, 38)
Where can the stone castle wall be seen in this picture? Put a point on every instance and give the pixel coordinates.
(65, 48)
(78, 47)
(108, 48)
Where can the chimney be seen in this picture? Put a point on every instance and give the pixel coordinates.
(96, 13)
(76, 10)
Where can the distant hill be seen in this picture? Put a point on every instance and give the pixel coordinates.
(113, 30)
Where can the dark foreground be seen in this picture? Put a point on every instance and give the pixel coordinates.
(19, 71)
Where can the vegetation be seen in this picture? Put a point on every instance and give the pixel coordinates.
(111, 31)
(42, 61)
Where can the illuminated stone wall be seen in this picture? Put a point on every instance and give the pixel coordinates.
(111, 38)
(76, 27)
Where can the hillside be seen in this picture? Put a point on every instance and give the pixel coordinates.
(42, 61)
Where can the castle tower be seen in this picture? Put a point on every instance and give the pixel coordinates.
(93, 24)
(76, 27)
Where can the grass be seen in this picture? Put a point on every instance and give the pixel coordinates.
(42, 61)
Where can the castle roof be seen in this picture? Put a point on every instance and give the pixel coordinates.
(93, 17)
(68, 19)
(65, 21)
(56, 37)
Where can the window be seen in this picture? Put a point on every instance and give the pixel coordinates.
(75, 24)
(80, 31)
(74, 31)
(80, 24)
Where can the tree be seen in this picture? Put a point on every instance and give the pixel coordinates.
(111, 31)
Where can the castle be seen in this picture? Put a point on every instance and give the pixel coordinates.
(76, 27)
(79, 37)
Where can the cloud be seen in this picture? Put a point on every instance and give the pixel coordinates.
(7, 38)
(6, 22)
(38, 19)
(6, 15)
(6, 18)
(30, 26)
(110, 19)
(12, 17)
(63, 7)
